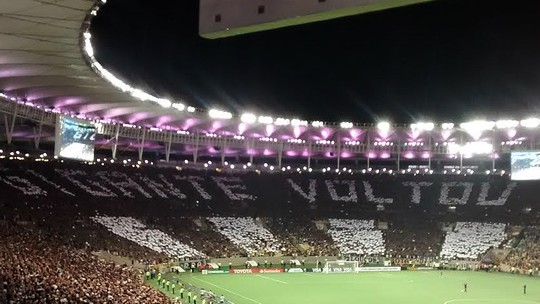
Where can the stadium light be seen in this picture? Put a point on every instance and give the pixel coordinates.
(267, 120)
(383, 126)
(423, 126)
(530, 123)
(297, 122)
(477, 125)
(282, 121)
(447, 126)
(506, 124)
(191, 109)
(317, 124)
(346, 125)
(179, 106)
(137, 93)
(248, 118)
(162, 102)
(218, 114)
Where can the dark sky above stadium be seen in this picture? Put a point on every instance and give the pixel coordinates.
(445, 60)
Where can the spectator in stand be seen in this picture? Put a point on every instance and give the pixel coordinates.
(38, 269)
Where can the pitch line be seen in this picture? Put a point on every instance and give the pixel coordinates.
(227, 290)
(272, 279)
(490, 300)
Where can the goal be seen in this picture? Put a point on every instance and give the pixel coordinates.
(340, 266)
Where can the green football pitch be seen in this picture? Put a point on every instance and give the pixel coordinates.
(414, 287)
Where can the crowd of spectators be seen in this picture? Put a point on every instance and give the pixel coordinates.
(302, 237)
(356, 237)
(139, 233)
(468, 240)
(52, 222)
(249, 235)
(84, 233)
(197, 233)
(413, 239)
(525, 257)
(38, 269)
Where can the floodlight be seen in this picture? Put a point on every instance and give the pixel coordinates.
(248, 118)
(346, 125)
(163, 102)
(530, 122)
(423, 126)
(383, 126)
(179, 106)
(218, 114)
(475, 128)
(297, 122)
(137, 93)
(267, 120)
(191, 109)
(477, 125)
(282, 121)
(317, 124)
(506, 124)
(447, 126)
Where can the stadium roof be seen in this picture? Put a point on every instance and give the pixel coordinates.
(47, 63)
(41, 62)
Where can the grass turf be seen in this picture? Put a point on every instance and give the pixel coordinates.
(414, 287)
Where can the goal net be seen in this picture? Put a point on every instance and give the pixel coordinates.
(340, 266)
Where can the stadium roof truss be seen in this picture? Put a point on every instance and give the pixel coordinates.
(41, 61)
(47, 67)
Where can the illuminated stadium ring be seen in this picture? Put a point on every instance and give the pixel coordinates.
(45, 75)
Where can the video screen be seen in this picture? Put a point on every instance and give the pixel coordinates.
(525, 165)
(75, 139)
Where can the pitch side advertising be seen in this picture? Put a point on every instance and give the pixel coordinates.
(256, 270)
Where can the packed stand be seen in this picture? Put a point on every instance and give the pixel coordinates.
(82, 232)
(250, 236)
(526, 255)
(419, 239)
(38, 269)
(197, 233)
(185, 192)
(154, 239)
(302, 237)
(468, 240)
(356, 237)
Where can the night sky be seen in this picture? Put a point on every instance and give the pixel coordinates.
(446, 60)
